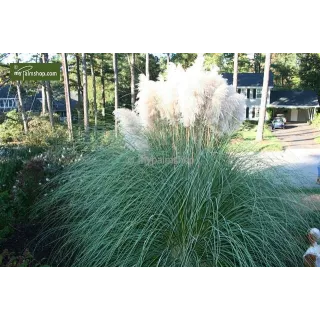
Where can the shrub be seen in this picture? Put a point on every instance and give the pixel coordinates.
(118, 208)
(11, 161)
(6, 214)
(11, 129)
(11, 259)
(316, 121)
(41, 134)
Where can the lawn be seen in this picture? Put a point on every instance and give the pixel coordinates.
(245, 139)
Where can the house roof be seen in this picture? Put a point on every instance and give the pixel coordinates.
(33, 102)
(248, 79)
(5, 93)
(293, 98)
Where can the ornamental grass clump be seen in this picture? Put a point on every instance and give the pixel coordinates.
(177, 195)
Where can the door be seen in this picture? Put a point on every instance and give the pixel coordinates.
(294, 115)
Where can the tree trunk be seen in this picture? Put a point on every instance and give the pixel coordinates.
(79, 108)
(103, 97)
(85, 95)
(235, 70)
(147, 66)
(94, 94)
(48, 92)
(43, 93)
(168, 59)
(116, 98)
(20, 103)
(131, 64)
(262, 113)
(67, 93)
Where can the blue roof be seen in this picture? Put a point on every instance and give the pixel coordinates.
(34, 101)
(294, 98)
(5, 93)
(248, 79)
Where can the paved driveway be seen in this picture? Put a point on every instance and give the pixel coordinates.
(299, 165)
(298, 136)
(301, 154)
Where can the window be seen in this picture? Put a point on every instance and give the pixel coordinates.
(257, 112)
(248, 93)
(239, 90)
(253, 112)
(254, 94)
(259, 93)
(247, 113)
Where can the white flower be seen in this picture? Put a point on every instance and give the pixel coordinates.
(185, 96)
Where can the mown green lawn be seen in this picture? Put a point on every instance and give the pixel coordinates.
(245, 139)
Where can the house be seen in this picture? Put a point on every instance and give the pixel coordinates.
(250, 84)
(9, 101)
(297, 106)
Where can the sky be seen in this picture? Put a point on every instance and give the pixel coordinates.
(27, 56)
(22, 56)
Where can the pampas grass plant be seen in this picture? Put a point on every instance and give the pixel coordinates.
(119, 208)
(178, 196)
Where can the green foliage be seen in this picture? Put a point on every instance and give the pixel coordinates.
(41, 134)
(258, 62)
(6, 214)
(309, 71)
(316, 121)
(207, 208)
(225, 62)
(11, 162)
(185, 59)
(11, 128)
(285, 69)
(11, 259)
(269, 113)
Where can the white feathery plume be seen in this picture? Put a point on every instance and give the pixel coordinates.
(146, 105)
(184, 97)
(131, 127)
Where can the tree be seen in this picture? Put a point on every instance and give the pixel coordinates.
(43, 93)
(258, 62)
(45, 59)
(225, 62)
(262, 114)
(131, 61)
(94, 93)
(213, 59)
(147, 66)
(235, 71)
(80, 90)
(20, 103)
(309, 71)
(85, 95)
(115, 69)
(285, 69)
(168, 59)
(102, 74)
(185, 59)
(67, 93)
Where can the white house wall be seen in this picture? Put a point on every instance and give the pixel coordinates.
(7, 104)
(254, 104)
